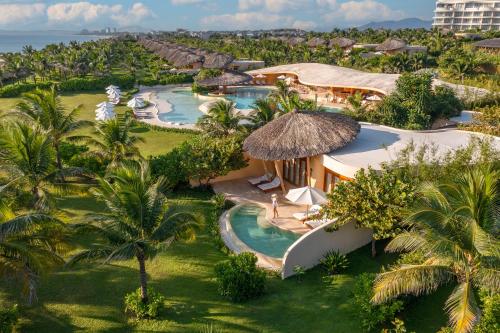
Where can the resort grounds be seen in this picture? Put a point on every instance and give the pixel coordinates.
(89, 297)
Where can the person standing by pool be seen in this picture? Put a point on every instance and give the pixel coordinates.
(274, 203)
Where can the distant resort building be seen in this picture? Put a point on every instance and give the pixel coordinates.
(462, 15)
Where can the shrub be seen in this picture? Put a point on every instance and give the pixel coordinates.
(410, 258)
(486, 121)
(140, 310)
(371, 315)
(399, 327)
(69, 150)
(170, 166)
(8, 319)
(239, 278)
(490, 320)
(89, 163)
(334, 262)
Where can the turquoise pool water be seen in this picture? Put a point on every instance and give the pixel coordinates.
(244, 98)
(251, 227)
(185, 106)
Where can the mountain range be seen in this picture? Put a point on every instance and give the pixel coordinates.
(408, 23)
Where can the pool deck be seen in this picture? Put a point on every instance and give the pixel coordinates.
(240, 191)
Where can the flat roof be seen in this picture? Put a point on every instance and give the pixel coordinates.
(377, 144)
(322, 75)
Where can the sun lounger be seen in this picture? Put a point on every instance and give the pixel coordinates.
(274, 184)
(313, 224)
(259, 180)
(302, 216)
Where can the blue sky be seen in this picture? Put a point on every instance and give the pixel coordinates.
(205, 14)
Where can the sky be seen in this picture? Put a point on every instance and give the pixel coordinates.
(205, 14)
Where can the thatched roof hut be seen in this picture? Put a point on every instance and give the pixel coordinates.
(188, 59)
(228, 78)
(301, 134)
(217, 60)
(493, 43)
(341, 42)
(391, 44)
(294, 41)
(316, 42)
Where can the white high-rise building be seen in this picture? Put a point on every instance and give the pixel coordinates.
(461, 15)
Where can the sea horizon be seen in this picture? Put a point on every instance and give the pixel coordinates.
(14, 41)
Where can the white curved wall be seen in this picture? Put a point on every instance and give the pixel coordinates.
(311, 247)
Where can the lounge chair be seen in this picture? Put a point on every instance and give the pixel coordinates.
(302, 216)
(313, 224)
(274, 184)
(259, 180)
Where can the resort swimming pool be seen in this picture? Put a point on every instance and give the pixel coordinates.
(250, 225)
(185, 106)
(244, 98)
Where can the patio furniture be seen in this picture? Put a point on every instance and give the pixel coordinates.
(302, 216)
(259, 180)
(313, 224)
(309, 196)
(274, 184)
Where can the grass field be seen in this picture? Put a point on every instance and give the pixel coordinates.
(89, 298)
(156, 142)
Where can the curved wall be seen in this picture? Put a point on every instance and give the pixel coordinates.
(311, 247)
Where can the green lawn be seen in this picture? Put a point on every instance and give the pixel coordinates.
(156, 142)
(89, 297)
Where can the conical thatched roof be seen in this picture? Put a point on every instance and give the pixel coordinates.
(341, 42)
(228, 78)
(391, 44)
(315, 42)
(217, 60)
(301, 134)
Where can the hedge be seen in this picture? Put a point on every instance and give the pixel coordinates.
(73, 84)
(168, 79)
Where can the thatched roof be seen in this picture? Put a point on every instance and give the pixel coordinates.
(301, 134)
(228, 78)
(341, 42)
(296, 41)
(493, 43)
(391, 44)
(315, 42)
(217, 60)
(188, 59)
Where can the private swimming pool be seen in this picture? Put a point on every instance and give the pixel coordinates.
(250, 225)
(244, 98)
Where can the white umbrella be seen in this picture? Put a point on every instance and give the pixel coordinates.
(112, 87)
(136, 102)
(260, 76)
(114, 95)
(105, 112)
(373, 98)
(281, 77)
(307, 196)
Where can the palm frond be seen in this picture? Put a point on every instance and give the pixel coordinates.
(462, 308)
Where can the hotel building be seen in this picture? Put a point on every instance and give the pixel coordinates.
(462, 15)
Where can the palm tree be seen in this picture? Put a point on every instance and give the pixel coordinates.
(27, 246)
(114, 142)
(138, 222)
(45, 107)
(27, 153)
(454, 225)
(221, 120)
(265, 111)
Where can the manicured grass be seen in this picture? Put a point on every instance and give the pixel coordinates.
(156, 142)
(89, 297)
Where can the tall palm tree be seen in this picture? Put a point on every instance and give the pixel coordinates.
(455, 226)
(45, 107)
(221, 120)
(265, 111)
(114, 142)
(138, 222)
(28, 244)
(27, 153)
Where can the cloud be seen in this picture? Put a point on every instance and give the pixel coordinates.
(21, 13)
(360, 11)
(253, 20)
(86, 12)
(332, 4)
(272, 5)
(184, 2)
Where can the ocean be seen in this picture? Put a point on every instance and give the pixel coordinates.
(14, 41)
